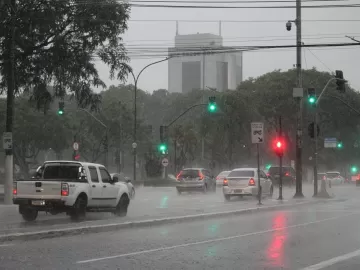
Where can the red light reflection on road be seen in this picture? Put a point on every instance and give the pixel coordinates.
(275, 251)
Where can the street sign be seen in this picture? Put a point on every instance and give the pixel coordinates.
(165, 162)
(7, 140)
(330, 142)
(257, 132)
(76, 146)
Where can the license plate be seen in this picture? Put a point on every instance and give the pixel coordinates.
(277, 175)
(38, 202)
(238, 190)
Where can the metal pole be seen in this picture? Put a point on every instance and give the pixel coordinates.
(135, 124)
(258, 169)
(107, 147)
(315, 150)
(280, 163)
(298, 192)
(175, 164)
(10, 80)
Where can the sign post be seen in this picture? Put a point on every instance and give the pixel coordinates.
(7, 141)
(257, 137)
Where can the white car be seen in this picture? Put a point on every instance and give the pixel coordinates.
(334, 178)
(72, 187)
(120, 177)
(244, 182)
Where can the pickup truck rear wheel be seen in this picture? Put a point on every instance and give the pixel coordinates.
(122, 206)
(28, 213)
(79, 209)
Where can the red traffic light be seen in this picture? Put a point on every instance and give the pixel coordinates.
(279, 147)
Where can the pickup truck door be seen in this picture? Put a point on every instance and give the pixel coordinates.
(95, 188)
(109, 191)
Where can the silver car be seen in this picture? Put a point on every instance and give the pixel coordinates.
(195, 179)
(244, 182)
(220, 178)
(122, 178)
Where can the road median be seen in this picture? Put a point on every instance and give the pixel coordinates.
(76, 230)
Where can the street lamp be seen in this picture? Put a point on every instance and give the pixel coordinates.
(136, 79)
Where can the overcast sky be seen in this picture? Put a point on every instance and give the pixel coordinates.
(161, 35)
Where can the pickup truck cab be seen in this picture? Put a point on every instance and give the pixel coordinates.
(72, 187)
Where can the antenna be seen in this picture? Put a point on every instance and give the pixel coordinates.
(177, 28)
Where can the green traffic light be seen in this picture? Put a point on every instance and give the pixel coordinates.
(60, 112)
(312, 100)
(212, 107)
(163, 148)
(339, 145)
(268, 166)
(353, 169)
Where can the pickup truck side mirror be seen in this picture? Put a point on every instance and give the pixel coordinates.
(127, 180)
(115, 179)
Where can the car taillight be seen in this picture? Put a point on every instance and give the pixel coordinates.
(287, 174)
(14, 188)
(64, 189)
(324, 177)
(268, 174)
(201, 176)
(225, 182)
(252, 182)
(178, 177)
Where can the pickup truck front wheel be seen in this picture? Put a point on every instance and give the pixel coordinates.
(28, 214)
(122, 206)
(79, 209)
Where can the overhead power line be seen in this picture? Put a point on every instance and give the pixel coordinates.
(230, 2)
(244, 7)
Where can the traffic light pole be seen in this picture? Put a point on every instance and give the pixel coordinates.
(258, 169)
(316, 150)
(298, 193)
(280, 164)
(323, 192)
(136, 79)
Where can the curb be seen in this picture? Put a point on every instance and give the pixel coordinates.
(145, 223)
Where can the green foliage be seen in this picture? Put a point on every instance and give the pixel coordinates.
(58, 42)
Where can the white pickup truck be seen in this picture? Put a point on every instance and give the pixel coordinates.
(72, 187)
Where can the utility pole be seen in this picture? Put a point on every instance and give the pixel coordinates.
(10, 83)
(299, 131)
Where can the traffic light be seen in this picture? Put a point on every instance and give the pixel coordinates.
(311, 130)
(163, 148)
(279, 147)
(268, 166)
(354, 169)
(212, 106)
(163, 134)
(339, 144)
(61, 108)
(340, 82)
(312, 96)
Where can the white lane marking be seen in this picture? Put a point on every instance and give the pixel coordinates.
(6, 245)
(333, 261)
(207, 241)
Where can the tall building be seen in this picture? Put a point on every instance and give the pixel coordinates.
(214, 70)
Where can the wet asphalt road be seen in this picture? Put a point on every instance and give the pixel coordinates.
(149, 203)
(323, 235)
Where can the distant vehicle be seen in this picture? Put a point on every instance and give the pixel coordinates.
(195, 179)
(71, 187)
(288, 175)
(244, 182)
(126, 180)
(220, 177)
(334, 178)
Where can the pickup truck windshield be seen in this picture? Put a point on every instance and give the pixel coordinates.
(61, 172)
